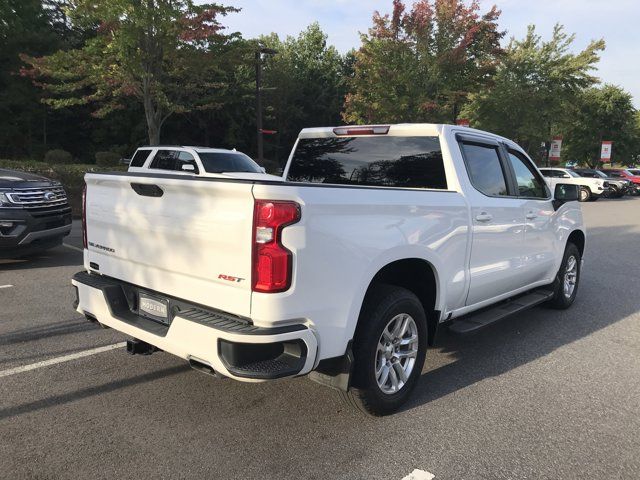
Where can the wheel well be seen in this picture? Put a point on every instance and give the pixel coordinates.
(577, 238)
(417, 276)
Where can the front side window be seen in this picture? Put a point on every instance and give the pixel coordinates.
(385, 161)
(221, 162)
(485, 170)
(530, 184)
(164, 160)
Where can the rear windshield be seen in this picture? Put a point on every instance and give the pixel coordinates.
(221, 162)
(388, 161)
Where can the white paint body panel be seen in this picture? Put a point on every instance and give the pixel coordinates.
(179, 243)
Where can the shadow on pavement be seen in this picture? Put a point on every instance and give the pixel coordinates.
(90, 392)
(524, 338)
(67, 327)
(56, 257)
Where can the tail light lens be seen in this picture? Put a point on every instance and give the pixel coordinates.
(84, 217)
(272, 262)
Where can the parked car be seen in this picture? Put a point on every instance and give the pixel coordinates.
(590, 189)
(34, 214)
(618, 187)
(623, 173)
(345, 270)
(202, 161)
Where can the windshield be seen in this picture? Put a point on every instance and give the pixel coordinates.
(601, 174)
(634, 171)
(221, 162)
(572, 173)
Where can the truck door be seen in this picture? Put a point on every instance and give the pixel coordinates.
(538, 212)
(497, 245)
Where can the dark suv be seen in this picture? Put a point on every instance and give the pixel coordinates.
(34, 213)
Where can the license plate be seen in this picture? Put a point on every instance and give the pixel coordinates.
(154, 308)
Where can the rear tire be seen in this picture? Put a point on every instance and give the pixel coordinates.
(565, 286)
(389, 350)
(584, 194)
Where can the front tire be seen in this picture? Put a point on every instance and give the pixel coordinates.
(584, 194)
(389, 350)
(565, 286)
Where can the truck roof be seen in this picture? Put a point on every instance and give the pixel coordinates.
(402, 129)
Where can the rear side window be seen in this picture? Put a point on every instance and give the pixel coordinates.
(139, 158)
(485, 169)
(386, 161)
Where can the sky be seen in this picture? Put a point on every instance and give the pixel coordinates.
(614, 20)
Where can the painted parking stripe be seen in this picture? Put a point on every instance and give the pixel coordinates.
(419, 475)
(5, 286)
(77, 249)
(66, 358)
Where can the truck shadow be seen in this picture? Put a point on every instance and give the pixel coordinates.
(49, 330)
(607, 294)
(56, 257)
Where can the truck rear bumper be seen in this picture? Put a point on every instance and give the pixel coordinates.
(229, 345)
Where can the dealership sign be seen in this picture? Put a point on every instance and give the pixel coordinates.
(554, 150)
(605, 152)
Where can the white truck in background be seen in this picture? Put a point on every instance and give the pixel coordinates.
(343, 269)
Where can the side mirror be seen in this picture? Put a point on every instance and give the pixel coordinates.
(564, 193)
(264, 170)
(125, 161)
(188, 167)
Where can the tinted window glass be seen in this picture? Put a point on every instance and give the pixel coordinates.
(185, 158)
(410, 162)
(483, 165)
(530, 184)
(164, 160)
(139, 158)
(220, 162)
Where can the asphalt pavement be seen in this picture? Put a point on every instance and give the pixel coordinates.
(547, 394)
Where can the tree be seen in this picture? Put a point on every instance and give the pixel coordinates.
(160, 52)
(304, 86)
(24, 27)
(534, 84)
(420, 65)
(599, 114)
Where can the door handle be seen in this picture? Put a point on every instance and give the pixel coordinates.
(484, 217)
(531, 216)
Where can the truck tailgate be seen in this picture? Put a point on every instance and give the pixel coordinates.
(189, 237)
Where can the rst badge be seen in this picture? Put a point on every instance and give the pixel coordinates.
(230, 278)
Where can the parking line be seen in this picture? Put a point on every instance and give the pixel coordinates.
(66, 358)
(5, 286)
(77, 249)
(419, 475)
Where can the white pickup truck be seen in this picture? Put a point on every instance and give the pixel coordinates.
(344, 269)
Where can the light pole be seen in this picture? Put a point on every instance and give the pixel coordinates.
(259, 53)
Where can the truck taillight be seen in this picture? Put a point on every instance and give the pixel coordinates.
(272, 262)
(84, 217)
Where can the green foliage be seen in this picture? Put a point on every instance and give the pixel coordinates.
(107, 159)
(304, 87)
(535, 82)
(160, 52)
(419, 66)
(58, 157)
(598, 114)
